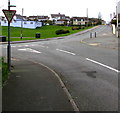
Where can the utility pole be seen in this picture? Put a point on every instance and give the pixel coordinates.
(87, 17)
(22, 25)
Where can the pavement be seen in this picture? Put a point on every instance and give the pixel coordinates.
(105, 41)
(33, 87)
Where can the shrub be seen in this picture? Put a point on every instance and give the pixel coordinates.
(62, 31)
(82, 27)
(75, 28)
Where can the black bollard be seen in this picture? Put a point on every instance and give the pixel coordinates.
(90, 35)
(95, 35)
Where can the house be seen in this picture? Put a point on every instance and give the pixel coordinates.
(114, 25)
(43, 19)
(116, 21)
(60, 19)
(93, 21)
(38, 18)
(22, 21)
(79, 20)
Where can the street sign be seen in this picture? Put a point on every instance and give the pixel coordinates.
(9, 14)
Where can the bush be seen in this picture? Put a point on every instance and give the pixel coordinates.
(75, 28)
(82, 27)
(62, 31)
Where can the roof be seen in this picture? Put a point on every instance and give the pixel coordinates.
(57, 15)
(39, 17)
(80, 17)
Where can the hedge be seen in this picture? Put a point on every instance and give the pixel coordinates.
(62, 31)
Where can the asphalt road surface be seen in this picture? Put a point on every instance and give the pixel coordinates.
(90, 73)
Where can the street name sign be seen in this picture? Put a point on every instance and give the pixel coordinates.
(9, 14)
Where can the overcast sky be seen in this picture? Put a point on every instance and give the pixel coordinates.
(67, 7)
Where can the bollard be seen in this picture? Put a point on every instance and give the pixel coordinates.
(90, 35)
(95, 35)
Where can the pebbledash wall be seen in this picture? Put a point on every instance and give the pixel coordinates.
(24, 24)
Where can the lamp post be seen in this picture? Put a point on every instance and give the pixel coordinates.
(9, 46)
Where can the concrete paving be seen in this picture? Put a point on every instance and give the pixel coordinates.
(32, 87)
(105, 41)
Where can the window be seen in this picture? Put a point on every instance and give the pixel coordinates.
(31, 22)
(25, 22)
(82, 20)
(4, 21)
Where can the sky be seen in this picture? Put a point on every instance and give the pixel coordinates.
(68, 7)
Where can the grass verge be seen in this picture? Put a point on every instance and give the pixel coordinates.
(45, 31)
(4, 70)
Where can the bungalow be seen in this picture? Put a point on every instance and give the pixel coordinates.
(79, 20)
(21, 21)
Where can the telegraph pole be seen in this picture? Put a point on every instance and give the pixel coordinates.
(22, 25)
(87, 17)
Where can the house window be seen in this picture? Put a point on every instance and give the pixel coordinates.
(82, 20)
(4, 21)
(31, 22)
(25, 22)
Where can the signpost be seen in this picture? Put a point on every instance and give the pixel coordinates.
(9, 14)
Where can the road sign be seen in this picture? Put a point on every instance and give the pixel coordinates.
(9, 14)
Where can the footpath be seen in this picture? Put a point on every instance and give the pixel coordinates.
(104, 41)
(32, 87)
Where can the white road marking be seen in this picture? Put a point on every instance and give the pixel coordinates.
(29, 50)
(66, 51)
(5, 47)
(104, 34)
(13, 46)
(43, 46)
(103, 65)
(20, 46)
(26, 45)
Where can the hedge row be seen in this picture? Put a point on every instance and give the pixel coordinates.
(62, 31)
(77, 27)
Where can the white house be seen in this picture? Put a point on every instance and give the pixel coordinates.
(60, 19)
(79, 20)
(21, 21)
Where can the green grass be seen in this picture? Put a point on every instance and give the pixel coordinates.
(4, 71)
(45, 31)
(0, 72)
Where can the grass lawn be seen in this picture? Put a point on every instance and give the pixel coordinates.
(3, 71)
(45, 31)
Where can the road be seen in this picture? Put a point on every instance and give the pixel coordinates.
(90, 73)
